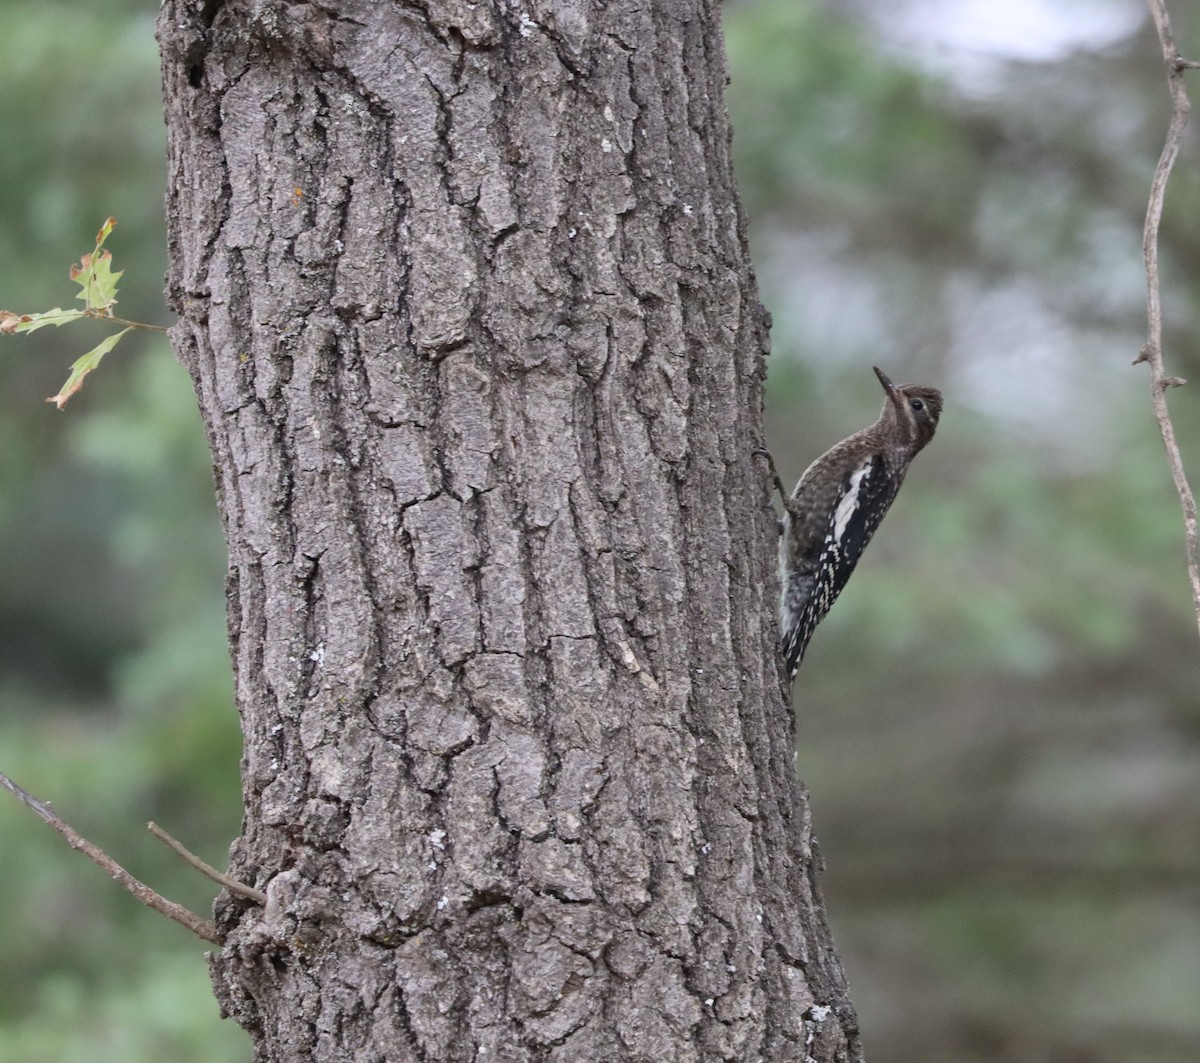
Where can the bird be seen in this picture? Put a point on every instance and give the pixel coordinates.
(837, 505)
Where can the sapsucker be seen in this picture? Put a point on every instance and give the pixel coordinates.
(837, 505)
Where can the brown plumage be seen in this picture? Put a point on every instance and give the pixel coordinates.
(837, 505)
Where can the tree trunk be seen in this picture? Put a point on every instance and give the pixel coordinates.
(465, 296)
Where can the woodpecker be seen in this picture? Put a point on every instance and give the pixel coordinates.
(837, 505)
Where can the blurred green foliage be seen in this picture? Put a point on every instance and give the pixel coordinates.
(999, 721)
(115, 692)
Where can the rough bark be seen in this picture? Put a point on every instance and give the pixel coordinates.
(465, 296)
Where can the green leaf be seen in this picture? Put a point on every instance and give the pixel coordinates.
(95, 275)
(98, 282)
(110, 223)
(83, 366)
(32, 322)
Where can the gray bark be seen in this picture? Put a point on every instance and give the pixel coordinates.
(464, 292)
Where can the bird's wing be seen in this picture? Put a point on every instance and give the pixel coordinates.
(864, 496)
(867, 493)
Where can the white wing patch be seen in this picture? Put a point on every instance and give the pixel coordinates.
(848, 503)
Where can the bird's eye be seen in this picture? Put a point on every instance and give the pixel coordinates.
(917, 404)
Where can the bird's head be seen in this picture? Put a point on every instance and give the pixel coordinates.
(911, 411)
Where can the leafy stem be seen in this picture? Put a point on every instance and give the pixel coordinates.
(98, 293)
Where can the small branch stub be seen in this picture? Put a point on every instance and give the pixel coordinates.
(206, 869)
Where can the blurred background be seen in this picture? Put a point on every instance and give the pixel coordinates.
(1000, 720)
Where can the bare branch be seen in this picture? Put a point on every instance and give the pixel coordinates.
(1152, 352)
(200, 927)
(188, 857)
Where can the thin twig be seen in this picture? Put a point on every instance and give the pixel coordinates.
(200, 927)
(188, 857)
(131, 324)
(1153, 351)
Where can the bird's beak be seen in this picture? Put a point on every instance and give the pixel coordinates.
(888, 386)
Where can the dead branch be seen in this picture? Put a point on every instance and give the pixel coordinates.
(188, 857)
(1152, 352)
(200, 927)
